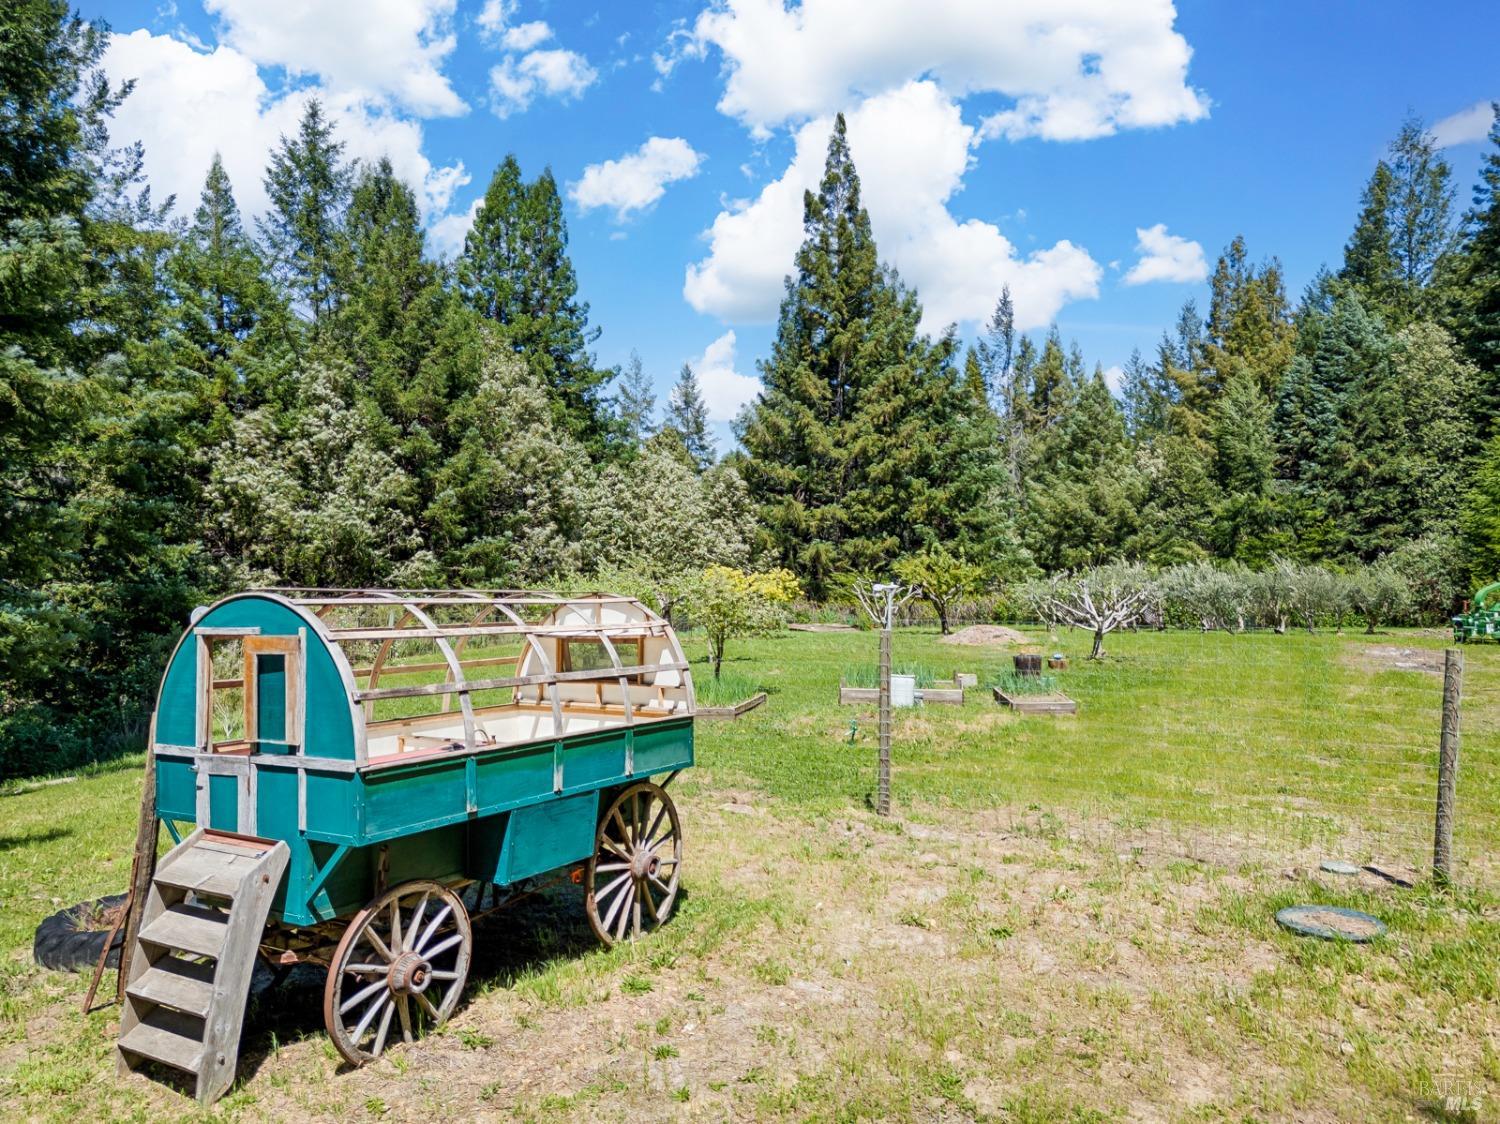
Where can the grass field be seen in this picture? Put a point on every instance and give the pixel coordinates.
(1064, 919)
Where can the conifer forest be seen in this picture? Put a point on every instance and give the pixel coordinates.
(192, 402)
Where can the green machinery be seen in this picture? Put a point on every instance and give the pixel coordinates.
(1482, 620)
(350, 775)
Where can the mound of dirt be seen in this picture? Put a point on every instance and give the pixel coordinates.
(979, 634)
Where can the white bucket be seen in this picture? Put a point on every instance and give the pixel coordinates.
(903, 690)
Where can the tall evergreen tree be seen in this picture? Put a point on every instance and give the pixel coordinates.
(863, 445)
(1477, 297)
(515, 270)
(308, 184)
(1405, 231)
(687, 417)
(1249, 327)
(635, 402)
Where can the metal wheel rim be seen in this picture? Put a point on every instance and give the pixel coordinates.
(399, 969)
(627, 894)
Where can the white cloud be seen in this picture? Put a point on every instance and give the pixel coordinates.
(446, 235)
(525, 36)
(392, 49)
(517, 80)
(1073, 69)
(1467, 126)
(524, 73)
(637, 180)
(1114, 378)
(187, 104)
(725, 390)
(911, 148)
(1166, 257)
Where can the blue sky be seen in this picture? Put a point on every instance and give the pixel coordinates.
(1095, 155)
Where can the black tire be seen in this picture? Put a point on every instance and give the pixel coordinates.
(68, 942)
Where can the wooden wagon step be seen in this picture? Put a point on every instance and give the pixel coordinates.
(169, 1037)
(188, 1012)
(208, 869)
(188, 928)
(182, 985)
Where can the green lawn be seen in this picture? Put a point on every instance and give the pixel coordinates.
(1064, 918)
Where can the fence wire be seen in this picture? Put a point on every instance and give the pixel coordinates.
(1259, 749)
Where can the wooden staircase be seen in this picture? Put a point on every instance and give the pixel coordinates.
(191, 966)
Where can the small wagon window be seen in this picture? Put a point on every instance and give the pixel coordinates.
(583, 654)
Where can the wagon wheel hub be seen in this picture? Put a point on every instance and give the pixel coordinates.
(409, 974)
(645, 863)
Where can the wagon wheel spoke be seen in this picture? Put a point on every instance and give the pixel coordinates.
(416, 917)
(379, 945)
(404, 1009)
(385, 1026)
(629, 900)
(396, 925)
(367, 969)
(369, 1016)
(426, 1005)
(426, 937)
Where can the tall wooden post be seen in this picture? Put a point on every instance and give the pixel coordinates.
(1447, 794)
(142, 868)
(883, 789)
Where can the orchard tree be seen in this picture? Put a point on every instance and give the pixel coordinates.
(728, 603)
(942, 579)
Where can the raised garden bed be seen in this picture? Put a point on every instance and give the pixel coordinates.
(732, 712)
(944, 696)
(1053, 702)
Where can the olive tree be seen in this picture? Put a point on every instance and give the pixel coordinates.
(1100, 599)
(1378, 593)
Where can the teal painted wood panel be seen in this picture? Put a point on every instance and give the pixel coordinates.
(542, 837)
(412, 797)
(512, 776)
(276, 804)
(594, 760)
(176, 789)
(224, 803)
(333, 806)
(330, 725)
(270, 696)
(663, 746)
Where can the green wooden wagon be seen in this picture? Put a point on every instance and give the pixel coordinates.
(351, 776)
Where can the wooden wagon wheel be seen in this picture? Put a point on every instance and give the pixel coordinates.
(631, 881)
(403, 960)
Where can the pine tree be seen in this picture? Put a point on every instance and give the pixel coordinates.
(1405, 233)
(308, 184)
(392, 313)
(1477, 299)
(1084, 493)
(635, 402)
(227, 316)
(1244, 457)
(687, 417)
(1249, 327)
(797, 431)
(1006, 381)
(865, 444)
(515, 270)
(1052, 384)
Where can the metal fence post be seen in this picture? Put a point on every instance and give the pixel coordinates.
(883, 789)
(1447, 793)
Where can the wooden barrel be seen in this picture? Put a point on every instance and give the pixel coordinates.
(1028, 663)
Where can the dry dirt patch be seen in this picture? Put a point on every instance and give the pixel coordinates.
(986, 634)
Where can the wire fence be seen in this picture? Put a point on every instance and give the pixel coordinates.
(1262, 749)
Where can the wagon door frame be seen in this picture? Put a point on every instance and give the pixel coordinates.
(273, 671)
